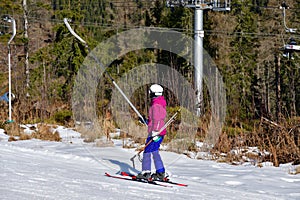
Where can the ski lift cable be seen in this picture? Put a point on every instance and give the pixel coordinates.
(209, 32)
(147, 3)
(122, 26)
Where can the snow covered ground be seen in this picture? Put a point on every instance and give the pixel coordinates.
(71, 169)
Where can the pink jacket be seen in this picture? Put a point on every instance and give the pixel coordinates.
(157, 115)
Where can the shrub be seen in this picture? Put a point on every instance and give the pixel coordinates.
(63, 116)
(46, 132)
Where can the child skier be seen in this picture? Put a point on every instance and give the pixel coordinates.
(157, 114)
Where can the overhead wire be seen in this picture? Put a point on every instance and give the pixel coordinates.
(124, 4)
(186, 30)
(136, 2)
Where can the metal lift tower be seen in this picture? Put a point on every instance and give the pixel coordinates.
(199, 6)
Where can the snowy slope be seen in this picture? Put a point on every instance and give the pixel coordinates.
(71, 169)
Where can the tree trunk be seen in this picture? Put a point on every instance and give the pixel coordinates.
(26, 45)
(267, 73)
(292, 89)
(278, 88)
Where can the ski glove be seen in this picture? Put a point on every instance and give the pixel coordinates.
(155, 136)
(143, 120)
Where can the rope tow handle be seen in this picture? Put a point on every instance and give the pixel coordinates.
(162, 128)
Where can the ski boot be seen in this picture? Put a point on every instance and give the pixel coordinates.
(144, 176)
(159, 177)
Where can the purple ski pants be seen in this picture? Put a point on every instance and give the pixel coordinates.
(152, 150)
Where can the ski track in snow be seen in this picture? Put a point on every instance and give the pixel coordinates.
(35, 169)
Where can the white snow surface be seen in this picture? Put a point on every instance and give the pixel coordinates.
(72, 169)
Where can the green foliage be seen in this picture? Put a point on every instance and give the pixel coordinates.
(172, 110)
(156, 14)
(9, 7)
(243, 59)
(63, 116)
(64, 57)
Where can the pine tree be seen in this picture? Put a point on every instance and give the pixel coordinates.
(243, 59)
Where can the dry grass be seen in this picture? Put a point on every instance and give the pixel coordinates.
(46, 132)
(281, 140)
(90, 131)
(297, 170)
(103, 142)
(42, 132)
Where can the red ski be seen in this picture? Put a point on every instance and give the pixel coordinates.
(136, 180)
(166, 180)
